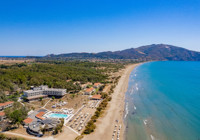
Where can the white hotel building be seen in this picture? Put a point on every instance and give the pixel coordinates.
(42, 92)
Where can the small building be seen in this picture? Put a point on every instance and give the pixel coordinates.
(27, 121)
(96, 97)
(6, 105)
(97, 85)
(35, 127)
(84, 86)
(89, 91)
(2, 116)
(39, 115)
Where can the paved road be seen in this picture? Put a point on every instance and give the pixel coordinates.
(46, 104)
(19, 100)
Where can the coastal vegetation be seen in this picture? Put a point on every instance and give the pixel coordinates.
(3, 137)
(90, 127)
(12, 97)
(99, 111)
(57, 74)
(16, 114)
(59, 127)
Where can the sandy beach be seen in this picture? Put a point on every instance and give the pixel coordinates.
(115, 111)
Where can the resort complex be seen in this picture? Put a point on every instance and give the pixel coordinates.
(37, 122)
(61, 113)
(57, 112)
(42, 92)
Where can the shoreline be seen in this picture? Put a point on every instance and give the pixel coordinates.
(115, 111)
(124, 103)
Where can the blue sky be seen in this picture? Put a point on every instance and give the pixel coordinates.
(40, 27)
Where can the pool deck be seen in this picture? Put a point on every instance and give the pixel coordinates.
(66, 119)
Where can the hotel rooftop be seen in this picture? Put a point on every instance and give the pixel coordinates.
(42, 92)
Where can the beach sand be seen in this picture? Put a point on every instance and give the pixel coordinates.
(115, 111)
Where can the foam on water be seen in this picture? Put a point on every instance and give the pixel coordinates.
(126, 110)
(136, 87)
(145, 122)
(152, 137)
(167, 97)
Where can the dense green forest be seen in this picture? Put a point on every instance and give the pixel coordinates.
(57, 74)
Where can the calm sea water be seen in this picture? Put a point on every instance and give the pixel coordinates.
(163, 101)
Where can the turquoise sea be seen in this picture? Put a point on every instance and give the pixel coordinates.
(163, 101)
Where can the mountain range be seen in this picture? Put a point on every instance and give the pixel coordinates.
(148, 52)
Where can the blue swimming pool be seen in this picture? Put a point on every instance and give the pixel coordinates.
(56, 115)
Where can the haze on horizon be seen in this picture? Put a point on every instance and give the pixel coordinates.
(43, 27)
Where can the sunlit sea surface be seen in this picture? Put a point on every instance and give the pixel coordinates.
(163, 102)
